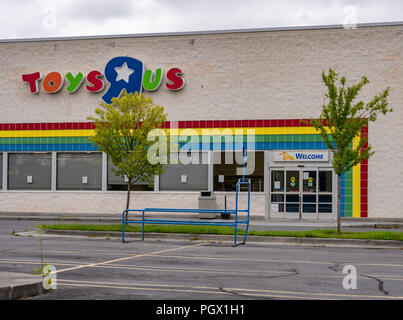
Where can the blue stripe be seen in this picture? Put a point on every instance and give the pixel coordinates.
(195, 146)
(48, 147)
(258, 146)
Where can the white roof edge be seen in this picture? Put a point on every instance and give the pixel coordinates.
(207, 32)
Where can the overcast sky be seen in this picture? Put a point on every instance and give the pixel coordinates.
(47, 18)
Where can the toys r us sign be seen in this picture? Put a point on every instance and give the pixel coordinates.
(122, 73)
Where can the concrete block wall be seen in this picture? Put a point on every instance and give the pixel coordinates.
(75, 202)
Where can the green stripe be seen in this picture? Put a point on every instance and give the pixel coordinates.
(204, 139)
(258, 138)
(44, 140)
(348, 183)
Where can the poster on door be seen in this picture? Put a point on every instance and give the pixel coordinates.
(274, 207)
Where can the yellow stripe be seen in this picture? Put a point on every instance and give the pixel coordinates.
(243, 131)
(184, 132)
(46, 133)
(356, 185)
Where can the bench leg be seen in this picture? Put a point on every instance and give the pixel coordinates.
(123, 231)
(246, 233)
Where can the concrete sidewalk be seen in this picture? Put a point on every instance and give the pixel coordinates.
(325, 224)
(19, 285)
(256, 223)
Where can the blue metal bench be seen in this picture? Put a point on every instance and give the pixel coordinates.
(232, 223)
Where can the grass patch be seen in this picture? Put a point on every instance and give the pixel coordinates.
(147, 228)
(317, 233)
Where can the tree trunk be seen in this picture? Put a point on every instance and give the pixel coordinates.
(338, 203)
(129, 183)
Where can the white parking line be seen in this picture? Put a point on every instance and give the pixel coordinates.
(260, 273)
(126, 258)
(220, 291)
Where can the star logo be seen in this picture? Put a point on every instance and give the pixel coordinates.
(123, 72)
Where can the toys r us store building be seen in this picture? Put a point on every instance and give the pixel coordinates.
(236, 83)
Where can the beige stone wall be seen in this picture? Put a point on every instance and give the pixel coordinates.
(229, 76)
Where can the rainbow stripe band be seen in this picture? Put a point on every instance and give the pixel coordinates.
(269, 135)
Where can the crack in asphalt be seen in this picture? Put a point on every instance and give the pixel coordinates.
(381, 287)
(293, 273)
(241, 294)
(336, 267)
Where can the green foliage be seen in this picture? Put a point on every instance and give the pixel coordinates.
(44, 269)
(122, 128)
(345, 118)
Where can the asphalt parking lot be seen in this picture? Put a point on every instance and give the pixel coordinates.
(103, 268)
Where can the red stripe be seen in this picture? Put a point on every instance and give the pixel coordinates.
(364, 177)
(47, 126)
(195, 124)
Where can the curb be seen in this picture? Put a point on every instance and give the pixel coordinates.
(65, 219)
(101, 219)
(19, 285)
(346, 224)
(326, 242)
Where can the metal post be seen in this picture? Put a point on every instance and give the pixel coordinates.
(104, 174)
(245, 157)
(300, 207)
(54, 172)
(142, 230)
(247, 225)
(236, 212)
(266, 185)
(123, 226)
(210, 171)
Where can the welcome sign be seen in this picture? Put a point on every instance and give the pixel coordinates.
(122, 73)
(296, 156)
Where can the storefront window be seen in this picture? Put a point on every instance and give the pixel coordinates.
(186, 177)
(325, 186)
(118, 183)
(29, 171)
(325, 181)
(277, 181)
(226, 175)
(292, 181)
(309, 181)
(79, 171)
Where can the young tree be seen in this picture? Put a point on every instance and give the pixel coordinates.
(341, 121)
(121, 131)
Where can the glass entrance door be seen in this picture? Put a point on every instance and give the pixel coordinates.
(325, 191)
(301, 192)
(309, 191)
(292, 191)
